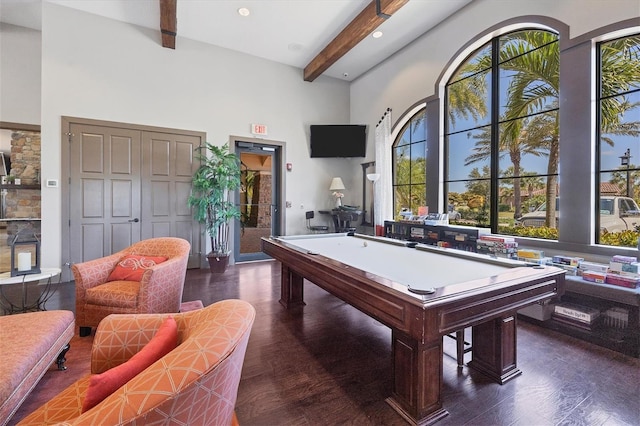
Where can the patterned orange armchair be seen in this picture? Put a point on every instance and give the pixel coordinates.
(194, 384)
(157, 288)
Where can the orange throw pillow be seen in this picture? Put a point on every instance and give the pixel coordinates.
(103, 385)
(132, 267)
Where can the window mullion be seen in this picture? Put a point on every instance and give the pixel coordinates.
(495, 134)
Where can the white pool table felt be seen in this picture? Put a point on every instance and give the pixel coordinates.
(417, 269)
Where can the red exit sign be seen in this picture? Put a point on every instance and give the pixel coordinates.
(259, 129)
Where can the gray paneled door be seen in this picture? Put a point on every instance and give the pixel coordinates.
(167, 169)
(126, 185)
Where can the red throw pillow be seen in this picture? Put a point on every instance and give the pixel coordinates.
(132, 267)
(103, 385)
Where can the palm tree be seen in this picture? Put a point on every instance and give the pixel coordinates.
(478, 193)
(410, 190)
(620, 73)
(619, 178)
(532, 183)
(533, 60)
(410, 165)
(467, 91)
(530, 60)
(528, 142)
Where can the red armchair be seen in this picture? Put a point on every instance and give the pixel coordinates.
(158, 291)
(195, 384)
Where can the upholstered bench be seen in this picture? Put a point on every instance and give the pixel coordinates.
(31, 342)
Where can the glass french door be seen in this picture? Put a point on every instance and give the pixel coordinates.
(257, 199)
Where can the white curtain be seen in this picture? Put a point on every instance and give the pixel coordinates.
(382, 199)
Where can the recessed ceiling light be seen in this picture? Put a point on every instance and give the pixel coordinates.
(377, 34)
(243, 11)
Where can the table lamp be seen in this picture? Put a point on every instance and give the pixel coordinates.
(336, 186)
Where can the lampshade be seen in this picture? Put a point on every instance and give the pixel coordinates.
(336, 184)
(373, 177)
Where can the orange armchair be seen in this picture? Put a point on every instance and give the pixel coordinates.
(159, 290)
(194, 384)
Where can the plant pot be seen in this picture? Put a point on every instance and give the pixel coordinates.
(218, 263)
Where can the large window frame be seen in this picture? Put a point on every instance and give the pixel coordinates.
(409, 155)
(577, 123)
(617, 141)
(494, 117)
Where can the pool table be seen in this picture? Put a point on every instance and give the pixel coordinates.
(422, 293)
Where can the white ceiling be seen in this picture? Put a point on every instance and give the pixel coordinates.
(291, 32)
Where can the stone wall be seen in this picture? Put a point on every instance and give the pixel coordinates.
(263, 186)
(20, 202)
(25, 156)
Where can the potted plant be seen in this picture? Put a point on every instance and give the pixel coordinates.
(211, 198)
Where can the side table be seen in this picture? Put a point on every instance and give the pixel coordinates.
(342, 219)
(45, 284)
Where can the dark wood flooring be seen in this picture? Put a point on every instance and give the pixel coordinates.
(328, 364)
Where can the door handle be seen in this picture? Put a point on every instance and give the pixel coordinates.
(136, 220)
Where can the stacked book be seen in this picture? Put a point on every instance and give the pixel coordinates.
(496, 245)
(576, 315)
(593, 272)
(568, 263)
(534, 256)
(623, 271)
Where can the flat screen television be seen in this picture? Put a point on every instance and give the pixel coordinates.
(338, 140)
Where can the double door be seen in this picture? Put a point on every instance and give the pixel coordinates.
(128, 184)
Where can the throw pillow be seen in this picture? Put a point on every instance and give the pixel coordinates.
(103, 385)
(132, 267)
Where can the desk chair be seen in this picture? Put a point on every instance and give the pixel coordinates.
(460, 346)
(314, 228)
(343, 220)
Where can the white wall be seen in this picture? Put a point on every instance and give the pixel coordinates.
(5, 141)
(411, 74)
(19, 74)
(98, 68)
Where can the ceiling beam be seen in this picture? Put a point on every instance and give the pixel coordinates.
(168, 23)
(374, 14)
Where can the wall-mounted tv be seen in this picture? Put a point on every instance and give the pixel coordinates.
(338, 140)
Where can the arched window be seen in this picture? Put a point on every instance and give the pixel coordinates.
(501, 142)
(618, 141)
(409, 165)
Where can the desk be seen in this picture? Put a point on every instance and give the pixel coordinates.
(380, 277)
(342, 219)
(46, 289)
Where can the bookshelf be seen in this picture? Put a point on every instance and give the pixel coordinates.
(606, 331)
(460, 238)
(19, 187)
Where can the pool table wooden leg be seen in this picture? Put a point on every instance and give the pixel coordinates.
(417, 379)
(494, 349)
(291, 288)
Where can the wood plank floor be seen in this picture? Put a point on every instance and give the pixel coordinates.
(327, 364)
